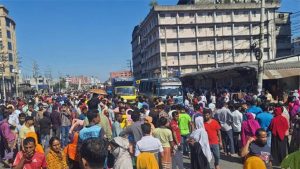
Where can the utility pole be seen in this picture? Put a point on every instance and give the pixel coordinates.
(259, 55)
(129, 64)
(48, 76)
(59, 76)
(35, 70)
(166, 50)
(17, 73)
(3, 66)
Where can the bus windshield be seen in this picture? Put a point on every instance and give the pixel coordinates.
(170, 90)
(128, 91)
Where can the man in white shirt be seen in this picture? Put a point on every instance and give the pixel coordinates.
(148, 143)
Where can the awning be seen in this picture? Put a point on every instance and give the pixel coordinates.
(281, 70)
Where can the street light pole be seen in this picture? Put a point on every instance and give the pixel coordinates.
(261, 48)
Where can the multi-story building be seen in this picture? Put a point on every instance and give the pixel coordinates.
(180, 39)
(296, 46)
(124, 73)
(8, 52)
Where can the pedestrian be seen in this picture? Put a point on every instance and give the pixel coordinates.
(44, 124)
(213, 128)
(120, 150)
(237, 118)
(93, 153)
(8, 140)
(185, 124)
(28, 157)
(279, 142)
(116, 126)
(254, 162)
(177, 158)
(55, 118)
(199, 146)
(26, 128)
(295, 141)
(56, 158)
(264, 119)
(65, 124)
(291, 161)
(93, 130)
(164, 134)
(147, 149)
(225, 118)
(134, 131)
(249, 128)
(258, 147)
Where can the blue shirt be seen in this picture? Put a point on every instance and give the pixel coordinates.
(264, 119)
(87, 132)
(254, 109)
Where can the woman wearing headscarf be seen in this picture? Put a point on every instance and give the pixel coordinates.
(295, 109)
(38, 147)
(120, 151)
(56, 158)
(249, 128)
(279, 142)
(199, 146)
(254, 162)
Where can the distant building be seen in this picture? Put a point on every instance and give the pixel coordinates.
(125, 73)
(8, 52)
(84, 80)
(179, 39)
(296, 46)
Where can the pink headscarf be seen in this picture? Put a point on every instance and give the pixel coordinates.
(295, 108)
(249, 128)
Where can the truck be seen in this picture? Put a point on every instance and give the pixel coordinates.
(125, 88)
(162, 87)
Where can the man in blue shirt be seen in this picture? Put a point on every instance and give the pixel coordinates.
(254, 109)
(264, 119)
(92, 130)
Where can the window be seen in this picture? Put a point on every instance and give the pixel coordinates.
(173, 15)
(10, 57)
(9, 46)
(228, 13)
(7, 22)
(209, 14)
(162, 15)
(200, 14)
(254, 13)
(191, 15)
(194, 57)
(236, 12)
(11, 68)
(181, 14)
(219, 42)
(0, 33)
(1, 45)
(236, 28)
(219, 13)
(245, 13)
(181, 29)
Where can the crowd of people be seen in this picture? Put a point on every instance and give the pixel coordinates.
(93, 131)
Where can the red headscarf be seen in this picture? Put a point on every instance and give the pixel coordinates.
(279, 124)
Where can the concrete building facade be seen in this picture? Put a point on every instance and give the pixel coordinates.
(179, 39)
(296, 46)
(8, 52)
